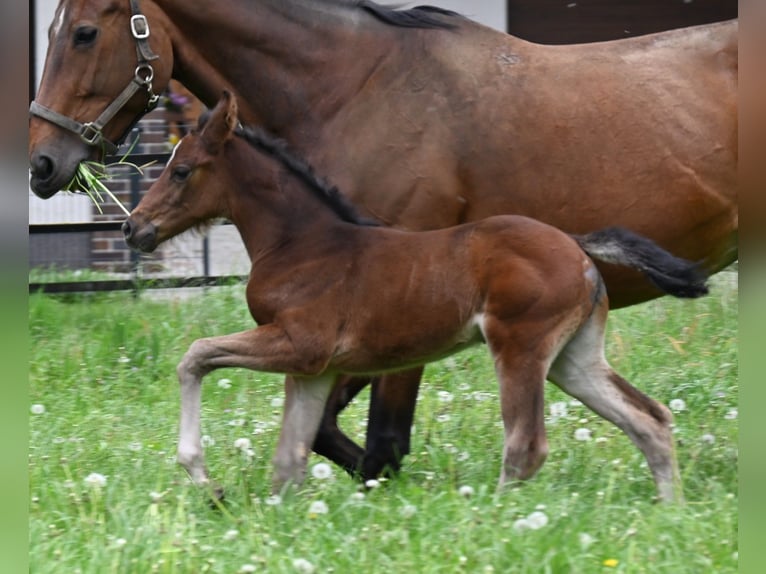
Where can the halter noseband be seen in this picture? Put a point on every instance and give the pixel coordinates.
(92, 132)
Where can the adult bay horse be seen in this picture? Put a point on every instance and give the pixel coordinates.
(426, 119)
(316, 290)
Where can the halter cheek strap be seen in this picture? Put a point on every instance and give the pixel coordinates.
(92, 132)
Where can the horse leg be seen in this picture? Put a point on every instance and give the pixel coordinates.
(330, 441)
(582, 371)
(305, 399)
(392, 409)
(266, 348)
(521, 376)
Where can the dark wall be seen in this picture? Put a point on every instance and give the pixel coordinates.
(574, 21)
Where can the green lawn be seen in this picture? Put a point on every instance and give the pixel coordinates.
(104, 408)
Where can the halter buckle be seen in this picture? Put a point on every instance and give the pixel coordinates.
(139, 26)
(91, 134)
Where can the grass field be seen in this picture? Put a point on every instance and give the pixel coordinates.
(107, 496)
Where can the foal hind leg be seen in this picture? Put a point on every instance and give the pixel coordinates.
(521, 376)
(582, 371)
(330, 441)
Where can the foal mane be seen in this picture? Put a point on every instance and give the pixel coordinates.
(328, 194)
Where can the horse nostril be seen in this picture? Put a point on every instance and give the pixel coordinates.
(127, 229)
(42, 167)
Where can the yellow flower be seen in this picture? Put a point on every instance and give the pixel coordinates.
(611, 562)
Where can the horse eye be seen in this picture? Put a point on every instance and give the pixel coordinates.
(85, 36)
(181, 173)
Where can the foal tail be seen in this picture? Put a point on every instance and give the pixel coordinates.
(670, 274)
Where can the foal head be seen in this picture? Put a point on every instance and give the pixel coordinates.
(193, 188)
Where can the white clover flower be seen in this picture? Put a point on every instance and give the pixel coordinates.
(95, 480)
(586, 540)
(247, 568)
(156, 496)
(37, 409)
(408, 510)
(443, 418)
(582, 434)
(537, 519)
(321, 471)
(231, 534)
(242, 444)
(466, 491)
(207, 440)
(318, 507)
(358, 497)
(677, 405)
(708, 438)
(558, 410)
(445, 396)
(237, 423)
(372, 483)
(224, 383)
(303, 566)
(273, 500)
(123, 359)
(731, 414)
(463, 456)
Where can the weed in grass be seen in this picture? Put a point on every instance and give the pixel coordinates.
(104, 403)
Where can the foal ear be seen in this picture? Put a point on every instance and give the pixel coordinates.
(221, 124)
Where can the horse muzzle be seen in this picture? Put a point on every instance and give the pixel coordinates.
(53, 164)
(140, 236)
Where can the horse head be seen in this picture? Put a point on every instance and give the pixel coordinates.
(104, 68)
(190, 190)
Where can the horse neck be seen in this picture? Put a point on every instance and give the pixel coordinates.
(271, 208)
(287, 54)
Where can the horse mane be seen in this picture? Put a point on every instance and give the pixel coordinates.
(417, 17)
(328, 194)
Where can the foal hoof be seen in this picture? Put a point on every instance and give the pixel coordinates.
(217, 497)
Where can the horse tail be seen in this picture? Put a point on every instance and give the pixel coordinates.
(671, 274)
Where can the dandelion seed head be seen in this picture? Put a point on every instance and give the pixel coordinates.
(707, 438)
(677, 405)
(408, 510)
(318, 507)
(521, 524)
(466, 491)
(586, 540)
(358, 496)
(95, 480)
(445, 396)
(230, 534)
(537, 520)
(207, 440)
(731, 414)
(303, 566)
(273, 500)
(247, 568)
(242, 444)
(224, 383)
(37, 409)
(558, 410)
(582, 434)
(321, 471)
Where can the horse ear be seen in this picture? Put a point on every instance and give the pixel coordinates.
(221, 124)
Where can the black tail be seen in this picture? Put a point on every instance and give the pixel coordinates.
(670, 274)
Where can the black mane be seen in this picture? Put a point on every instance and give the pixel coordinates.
(328, 194)
(417, 17)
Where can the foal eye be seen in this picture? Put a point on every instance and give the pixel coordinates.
(85, 36)
(181, 173)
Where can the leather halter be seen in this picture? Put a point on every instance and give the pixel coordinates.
(92, 132)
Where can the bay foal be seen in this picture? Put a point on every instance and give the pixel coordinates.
(332, 295)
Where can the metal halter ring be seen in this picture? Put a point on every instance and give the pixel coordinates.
(147, 80)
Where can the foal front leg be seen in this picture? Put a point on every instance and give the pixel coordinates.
(266, 348)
